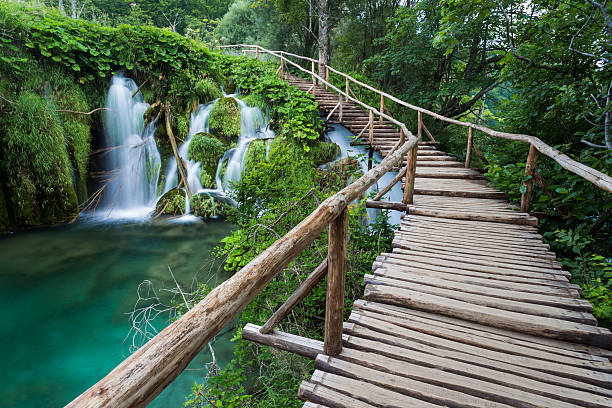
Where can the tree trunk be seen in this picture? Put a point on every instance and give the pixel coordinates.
(608, 120)
(61, 7)
(323, 41)
(74, 9)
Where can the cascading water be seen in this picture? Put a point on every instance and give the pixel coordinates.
(253, 126)
(133, 158)
(342, 137)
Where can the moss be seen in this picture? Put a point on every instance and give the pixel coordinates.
(180, 127)
(171, 203)
(36, 163)
(323, 152)
(204, 148)
(255, 100)
(207, 90)
(205, 205)
(230, 86)
(256, 153)
(207, 180)
(225, 118)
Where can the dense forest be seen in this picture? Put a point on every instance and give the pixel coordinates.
(538, 67)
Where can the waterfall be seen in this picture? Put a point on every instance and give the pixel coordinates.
(133, 158)
(342, 137)
(197, 124)
(253, 126)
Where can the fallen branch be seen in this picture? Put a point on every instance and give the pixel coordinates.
(141, 85)
(179, 161)
(80, 113)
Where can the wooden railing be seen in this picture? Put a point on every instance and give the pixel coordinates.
(596, 177)
(146, 373)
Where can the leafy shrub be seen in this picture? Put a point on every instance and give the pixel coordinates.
(171, 203)
(204, 205)
(225, 118)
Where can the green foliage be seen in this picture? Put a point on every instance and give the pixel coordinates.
(255, 100)
(36, 164)
(223, 390)
(256, 153)
(204, 205)
(224, 118)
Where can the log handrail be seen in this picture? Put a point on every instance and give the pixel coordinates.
(595, 177)
(145, 374)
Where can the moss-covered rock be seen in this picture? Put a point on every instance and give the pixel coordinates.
(207, 150)
(255, 100)
(36, 163)
(207, 206)
(324, 152)
(171, 203)
(256, 153)
(225, 119)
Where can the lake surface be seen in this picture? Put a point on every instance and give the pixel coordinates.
(65, 298)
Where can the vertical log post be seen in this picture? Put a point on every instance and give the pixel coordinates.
(402, 137)
(336, 271)
(420, 126)
(411, 157)
(529, 171)
(326, 76)
(382, 107)
(282, 65)
(340, 107)
(468, 153)
(244, 53)
(346, 89)
(371, 123)
(314, 83)
(256, 52)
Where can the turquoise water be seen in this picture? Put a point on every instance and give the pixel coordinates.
(65, 295)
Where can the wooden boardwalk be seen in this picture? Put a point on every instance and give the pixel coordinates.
(462, 312)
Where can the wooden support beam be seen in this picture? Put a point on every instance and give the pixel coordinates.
(285, 341)
(371, 124)
(296, 297)
(340, 112)
(386, 205)
(420, 126)
(336, 257)
(517, 219)
(382, 107)
(532, 157)
(314, 83)
(326, 76)
(431, 138)
(347, 89)
(282, 69)
(411, 157)
(256, 52)
(468, 154)
(483, 159)
(396, 179)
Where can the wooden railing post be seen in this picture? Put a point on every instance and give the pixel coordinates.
(340, 107)
(468, 154)
(314, 82)
(347, 89)
(244, 53)
(282, 67)
(382, 107)
(256, 52)
(529, 172)
(411, 157)
(326, 76)
(336, 271)
(371, 123)
(420, 126)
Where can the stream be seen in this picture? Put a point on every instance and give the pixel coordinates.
(66, 293)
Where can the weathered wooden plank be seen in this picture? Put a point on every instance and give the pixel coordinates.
(543, 326)
(285, 341)
(405, 385)
(323, 395)
(489, 301)
(367, 392)
(506, 218)
(531, 343)
(482, 280)
(553, 372)
(554, 300)
(483, 389)
(485, 372)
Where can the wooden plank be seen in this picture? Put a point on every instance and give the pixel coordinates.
(484, 281)
(470, 223)
(502, 237)
(489, 301)
(542, 326)
(463, 287)
(479, 363)
(285, 341)
(403, 258)
(530, 342)
(484, 260)
(402, 384)
(309, 404)
(506, 218)
(323, 395)
(367, 392)
(472, 386)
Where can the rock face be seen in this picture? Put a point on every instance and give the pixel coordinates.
(225, 119)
